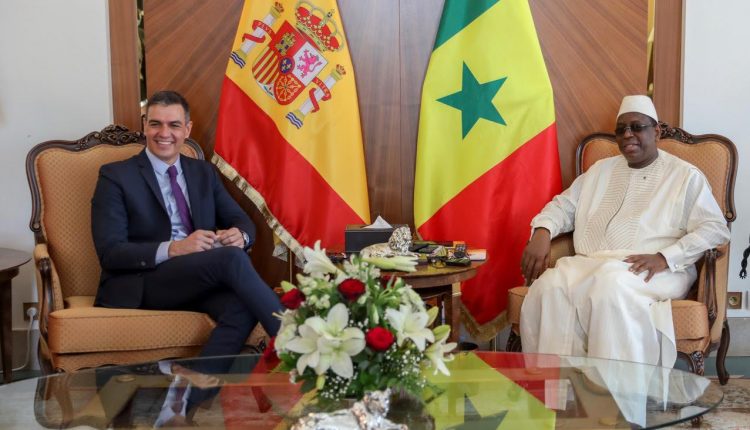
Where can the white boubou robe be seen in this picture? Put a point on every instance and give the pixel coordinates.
(590, 304)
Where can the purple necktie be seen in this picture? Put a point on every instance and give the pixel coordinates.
(179, 198)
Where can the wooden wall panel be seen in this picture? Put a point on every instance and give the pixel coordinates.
(416, 46)
(375, 54)
(123, 48)
(187, 47)
(667, 60)
(595, 53)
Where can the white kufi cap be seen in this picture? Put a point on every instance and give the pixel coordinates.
(640, 104)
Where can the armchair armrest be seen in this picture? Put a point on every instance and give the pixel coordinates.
(48, 286)
(709, 283)
(712, 287)
(561, 246)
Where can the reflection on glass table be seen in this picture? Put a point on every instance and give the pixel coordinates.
(485, 389)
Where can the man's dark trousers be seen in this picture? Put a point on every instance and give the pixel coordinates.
(220, 282)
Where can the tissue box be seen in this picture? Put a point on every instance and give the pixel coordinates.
(356, 237)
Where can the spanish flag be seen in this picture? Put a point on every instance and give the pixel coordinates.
(487, 157)
(288, 132)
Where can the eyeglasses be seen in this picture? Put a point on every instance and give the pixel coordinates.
(635, 128)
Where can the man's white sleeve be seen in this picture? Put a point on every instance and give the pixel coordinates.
(705, 225)
(558, 216)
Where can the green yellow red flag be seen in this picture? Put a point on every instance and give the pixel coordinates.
(288, 132)
(490, 391)
(487, 156)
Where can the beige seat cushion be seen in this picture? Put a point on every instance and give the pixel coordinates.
(690, 317)
(81, 327)
(90, 329)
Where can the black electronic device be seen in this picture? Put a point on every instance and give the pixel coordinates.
(337, 257)
(458, 261)
(429, 249)
(423, 247)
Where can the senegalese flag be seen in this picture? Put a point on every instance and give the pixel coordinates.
(288, 132)
(493, 391)
(487, 157)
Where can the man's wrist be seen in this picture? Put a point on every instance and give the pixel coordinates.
(542, 230)
(163, 252)
(245, 239)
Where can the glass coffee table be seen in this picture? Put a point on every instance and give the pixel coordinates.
(485, 390)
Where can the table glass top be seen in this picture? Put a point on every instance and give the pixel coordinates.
(485, 389)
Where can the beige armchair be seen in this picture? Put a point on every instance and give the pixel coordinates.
(73, 333)
(699, 320)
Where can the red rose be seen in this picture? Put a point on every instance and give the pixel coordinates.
(269, 353)
(379, 338)
(352, 289)
(292, 299)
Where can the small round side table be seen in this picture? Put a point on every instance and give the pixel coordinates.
(10, 261)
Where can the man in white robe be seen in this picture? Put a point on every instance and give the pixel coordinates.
(640, 221)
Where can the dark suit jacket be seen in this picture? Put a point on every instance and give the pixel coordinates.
(129, 220)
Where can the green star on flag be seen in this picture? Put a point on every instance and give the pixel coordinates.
(474, 421)
(475, 100)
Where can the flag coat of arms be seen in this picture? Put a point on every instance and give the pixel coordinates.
(487, 156)
(288, 132)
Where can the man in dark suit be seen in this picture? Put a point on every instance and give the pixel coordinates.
(169, 236)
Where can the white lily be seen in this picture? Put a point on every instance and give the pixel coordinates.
(286, 317)
(287, 332)
(438, 354)
(317, 262)
(400, 263)
(307, 345)
(338, 343)
(340, 354)
(410, 325)
(335, 343)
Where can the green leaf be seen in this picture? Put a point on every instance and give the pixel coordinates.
(308, 384)
(287, 286)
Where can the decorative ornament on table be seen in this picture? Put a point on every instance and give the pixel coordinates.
(400, 240)
(370, 414)
(345, 332)
(398, 244)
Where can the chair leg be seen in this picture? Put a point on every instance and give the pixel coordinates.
(514, 343)
(696, 363)
(721, 355)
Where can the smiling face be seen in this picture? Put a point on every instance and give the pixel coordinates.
(636, 136)
(166, 128)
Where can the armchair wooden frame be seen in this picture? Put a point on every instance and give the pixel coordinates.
(700, 320)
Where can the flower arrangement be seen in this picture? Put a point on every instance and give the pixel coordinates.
(346, 331)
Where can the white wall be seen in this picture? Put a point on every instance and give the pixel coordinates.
(54, 84)
(716, 99)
